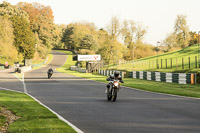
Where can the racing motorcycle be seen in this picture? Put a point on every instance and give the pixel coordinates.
(50, 73)
(112, 91)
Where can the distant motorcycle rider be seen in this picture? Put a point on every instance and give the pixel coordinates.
(50, 72)
(115, 76)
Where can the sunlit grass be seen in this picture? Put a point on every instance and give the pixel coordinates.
(33, 116)
(149, 63)
(2, 120)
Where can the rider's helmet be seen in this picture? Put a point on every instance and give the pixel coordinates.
(116, 73)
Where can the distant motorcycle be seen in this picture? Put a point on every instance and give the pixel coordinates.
(112, 92)
(50, 73)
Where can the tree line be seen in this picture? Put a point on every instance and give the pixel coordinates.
(118, 41)
(28, 30)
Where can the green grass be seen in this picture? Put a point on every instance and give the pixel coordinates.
(70, 61)
(2, 121)
(65, 51)
(149, 63)
(161, 87)
(34, 117)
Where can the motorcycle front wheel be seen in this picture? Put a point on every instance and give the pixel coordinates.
(49, 76)
(109, 95)
(114, 97)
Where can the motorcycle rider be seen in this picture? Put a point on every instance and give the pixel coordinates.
(50, 71)
(115, 76)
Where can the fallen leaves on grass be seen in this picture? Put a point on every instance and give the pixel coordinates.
(10, 118)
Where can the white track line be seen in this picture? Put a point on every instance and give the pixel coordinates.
(10, 90)
(59, 116)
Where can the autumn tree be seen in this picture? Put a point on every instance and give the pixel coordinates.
(181, 30)
(24, 40)
(114, 27)
(41, 22)
(59, 31)
(7, 49)
(193, 38)
(170, 41)
(133, 34)
(180, 37)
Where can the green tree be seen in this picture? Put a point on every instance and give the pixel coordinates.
(111, 50)
(24, 37)
(68, 37)
(88, 42)
(74, 33)
(41, 22)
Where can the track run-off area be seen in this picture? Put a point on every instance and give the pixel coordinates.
(83, 103)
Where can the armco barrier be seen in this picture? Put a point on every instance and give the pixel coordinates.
(75, 68)
(1, 67)
(109, 72)
(180, 78)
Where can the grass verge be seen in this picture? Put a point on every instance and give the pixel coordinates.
(34, 117)
(161, 87)
(2, 121)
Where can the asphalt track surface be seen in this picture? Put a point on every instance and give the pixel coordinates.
(83, 103)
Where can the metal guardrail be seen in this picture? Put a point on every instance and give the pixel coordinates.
(75, 68)
(180, 78)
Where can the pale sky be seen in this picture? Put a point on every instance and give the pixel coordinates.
(157, 15)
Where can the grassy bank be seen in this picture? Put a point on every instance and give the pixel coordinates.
(167, 62)
(161, 87)
(34, 118)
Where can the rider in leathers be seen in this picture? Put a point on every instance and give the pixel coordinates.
(50, 71)
(115, 76)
